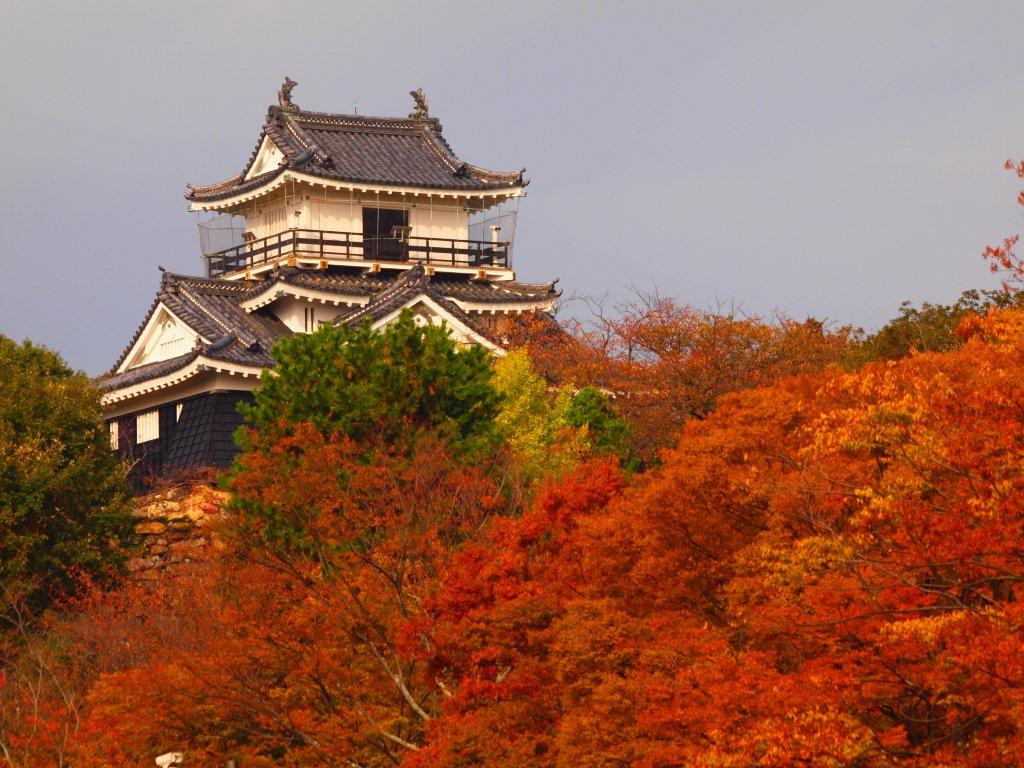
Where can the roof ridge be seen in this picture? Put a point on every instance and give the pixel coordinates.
(411, 280)
(173, 278)
(322, 157)
(359, 149)
(206, 311)
(499, 284)
(367, 120)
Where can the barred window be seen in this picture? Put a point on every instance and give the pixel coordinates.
(112, 429)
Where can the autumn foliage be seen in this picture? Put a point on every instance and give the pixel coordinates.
(667, 363)
(824, 572)
(289, 649)
(734, 548)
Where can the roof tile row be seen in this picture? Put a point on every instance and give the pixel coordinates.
(372, 150)
(230, 333)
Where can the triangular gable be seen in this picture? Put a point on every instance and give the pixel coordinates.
(461, 331)
(164, 336)
(268, 158)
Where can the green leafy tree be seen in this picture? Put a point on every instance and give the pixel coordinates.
(928, 328)
(608, 432)
(63, 510)
(380, 386)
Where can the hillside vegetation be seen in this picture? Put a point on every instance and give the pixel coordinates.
(672, 538)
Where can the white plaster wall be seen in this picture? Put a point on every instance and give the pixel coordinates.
(342, 211)
(336, 214)
(290, 311)
(267, 159)
(443, 222)
(268, 217)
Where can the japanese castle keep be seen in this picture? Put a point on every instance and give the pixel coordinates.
(334, 219)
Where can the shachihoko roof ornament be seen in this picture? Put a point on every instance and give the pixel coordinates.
(405, 152)
(422, 110)
(284, 96)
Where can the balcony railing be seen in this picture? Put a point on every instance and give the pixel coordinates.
(325, 244)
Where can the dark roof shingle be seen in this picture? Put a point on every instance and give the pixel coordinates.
(213, 309)
(353, 148)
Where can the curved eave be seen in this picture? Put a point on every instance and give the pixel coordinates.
(281, 289)
(196, 203)
(201, 364)
(236, 186)
(504, 307)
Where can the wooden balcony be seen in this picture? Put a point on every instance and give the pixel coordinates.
(332, 247)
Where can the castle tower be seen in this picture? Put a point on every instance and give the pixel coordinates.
(334, 219)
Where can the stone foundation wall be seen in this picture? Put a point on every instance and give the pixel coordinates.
(176, 526)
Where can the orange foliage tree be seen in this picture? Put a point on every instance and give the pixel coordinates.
(42, 677)
(666, 363)
(286, 649)
(1003, 259)
(826, 571)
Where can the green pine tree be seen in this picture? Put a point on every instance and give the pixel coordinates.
(384, 385)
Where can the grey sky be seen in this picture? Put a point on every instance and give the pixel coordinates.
(819, 158)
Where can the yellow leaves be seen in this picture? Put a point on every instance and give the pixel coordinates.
(989, 508)
(533, 421)
(928, 630)
(1001, 327)
(789, 564)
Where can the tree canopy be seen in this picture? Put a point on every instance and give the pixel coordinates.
(381, 386)
(826, 571)
(62, 506)
(434, 558)
(927, 328)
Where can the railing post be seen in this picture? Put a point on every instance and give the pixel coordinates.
(477, 252)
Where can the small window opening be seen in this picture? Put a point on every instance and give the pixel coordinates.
(385, 233)
(147, 426)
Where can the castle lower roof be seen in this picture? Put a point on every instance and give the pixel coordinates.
(236, 328)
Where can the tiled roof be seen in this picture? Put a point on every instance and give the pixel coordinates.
(496, 292)
(353, 148)
(342, 283)
(212, 308)
(411, 284)
(464, 289)
(408, 285)
(141, 373)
